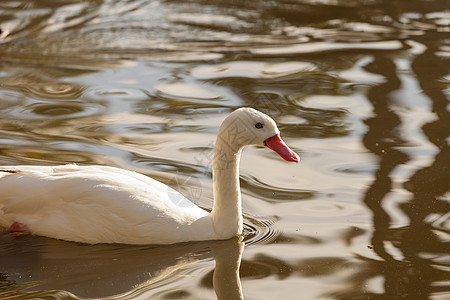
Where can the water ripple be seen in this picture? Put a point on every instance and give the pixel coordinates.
(42, 87)
(273, 194)
(259, 231)
(57, 110)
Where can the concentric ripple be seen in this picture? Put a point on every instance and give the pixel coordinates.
(259, 231)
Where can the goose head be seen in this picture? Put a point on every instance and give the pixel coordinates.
(247, 126)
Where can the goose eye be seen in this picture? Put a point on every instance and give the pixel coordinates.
(259, 125)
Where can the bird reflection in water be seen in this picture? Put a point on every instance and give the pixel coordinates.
(115, 271)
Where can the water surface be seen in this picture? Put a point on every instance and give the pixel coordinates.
(360, 89)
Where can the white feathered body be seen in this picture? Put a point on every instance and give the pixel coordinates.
(97, 203)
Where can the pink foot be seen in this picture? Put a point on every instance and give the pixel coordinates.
(18, 227)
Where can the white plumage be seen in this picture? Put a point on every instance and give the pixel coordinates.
(95, 204)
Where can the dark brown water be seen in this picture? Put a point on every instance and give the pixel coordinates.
(360, 89)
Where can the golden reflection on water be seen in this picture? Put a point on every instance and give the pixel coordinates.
(359, 89)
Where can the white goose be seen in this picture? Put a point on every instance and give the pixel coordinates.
(99, 204)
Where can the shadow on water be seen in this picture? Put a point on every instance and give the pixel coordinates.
(411, 272)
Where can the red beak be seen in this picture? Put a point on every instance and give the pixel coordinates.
(276, 144)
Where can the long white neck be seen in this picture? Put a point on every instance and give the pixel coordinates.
(226, 214)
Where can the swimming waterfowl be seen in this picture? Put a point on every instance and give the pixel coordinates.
(102, 204)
